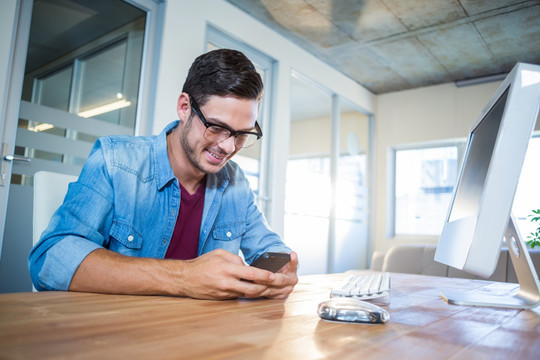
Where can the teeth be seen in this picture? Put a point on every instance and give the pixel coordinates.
(216, 156)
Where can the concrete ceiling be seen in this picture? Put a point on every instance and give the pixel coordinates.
(392, 45)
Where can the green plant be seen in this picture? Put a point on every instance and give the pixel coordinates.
(535, 235)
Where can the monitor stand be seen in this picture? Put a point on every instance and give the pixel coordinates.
(528, 296)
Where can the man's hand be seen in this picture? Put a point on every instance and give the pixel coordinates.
(218, 275)
(283, 281)
(221, 275)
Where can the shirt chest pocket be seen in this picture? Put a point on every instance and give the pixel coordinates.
(125, 235)
(228, 232)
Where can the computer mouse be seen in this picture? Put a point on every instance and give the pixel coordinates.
(352, 310)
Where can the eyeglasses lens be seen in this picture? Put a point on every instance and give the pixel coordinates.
(218, 134)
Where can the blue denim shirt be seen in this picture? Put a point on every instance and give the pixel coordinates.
(127, 200)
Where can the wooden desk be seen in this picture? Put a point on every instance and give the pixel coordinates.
(422, 326)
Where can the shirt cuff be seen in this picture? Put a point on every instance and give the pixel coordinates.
(62, 260)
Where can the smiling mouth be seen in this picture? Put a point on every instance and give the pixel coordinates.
(215, 156)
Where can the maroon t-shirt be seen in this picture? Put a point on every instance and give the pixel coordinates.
(184, 243)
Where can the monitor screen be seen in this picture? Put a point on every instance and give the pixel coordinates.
(476, 163)
(481, 203)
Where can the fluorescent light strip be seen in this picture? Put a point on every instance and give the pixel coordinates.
(41, 127)
(104, 109)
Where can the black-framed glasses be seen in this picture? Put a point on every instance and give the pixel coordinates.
(218, 133)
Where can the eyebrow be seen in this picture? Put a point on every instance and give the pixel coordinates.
(222, 124)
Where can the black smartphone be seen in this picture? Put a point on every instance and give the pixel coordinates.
(272, 261)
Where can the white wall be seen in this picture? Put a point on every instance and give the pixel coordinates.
(184, 39)
(319, 142)
(428, 114)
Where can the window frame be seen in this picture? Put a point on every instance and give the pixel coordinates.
(520, 220)
(460, 144)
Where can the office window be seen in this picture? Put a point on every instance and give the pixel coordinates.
(527, 195)
(424, 180)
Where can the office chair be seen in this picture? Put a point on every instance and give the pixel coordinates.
(49, 191)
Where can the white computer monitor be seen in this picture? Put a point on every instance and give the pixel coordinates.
(479, 217)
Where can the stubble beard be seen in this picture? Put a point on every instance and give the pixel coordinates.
(190, 151)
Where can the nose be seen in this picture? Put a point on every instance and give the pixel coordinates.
(228, 145)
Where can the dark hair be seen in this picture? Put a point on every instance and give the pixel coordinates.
(223, 72)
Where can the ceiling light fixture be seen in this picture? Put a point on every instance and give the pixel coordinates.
(105, 108)
(40, 127)
(480, 80)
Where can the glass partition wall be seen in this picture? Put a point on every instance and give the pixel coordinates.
(308, 189)
(254, 159)
(326, 199)
(81, 81)
(351, 191)
(83, 90)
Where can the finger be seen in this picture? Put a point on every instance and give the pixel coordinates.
(226, 255)
(278, 292)
(257, 275)
(282, 280)
(292, 266)
(252, 290)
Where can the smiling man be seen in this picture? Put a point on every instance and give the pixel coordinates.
(168, 214)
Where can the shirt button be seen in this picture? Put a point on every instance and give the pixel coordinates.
(229, 234)
(130, 238)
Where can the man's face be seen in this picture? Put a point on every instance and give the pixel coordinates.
(235, 114)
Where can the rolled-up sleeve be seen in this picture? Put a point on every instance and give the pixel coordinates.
(53, 270)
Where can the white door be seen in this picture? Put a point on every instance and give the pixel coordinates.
(79, 81)
(15, 28)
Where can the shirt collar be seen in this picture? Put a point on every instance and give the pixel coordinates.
(164, 173)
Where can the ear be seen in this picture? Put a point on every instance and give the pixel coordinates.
(183, 107)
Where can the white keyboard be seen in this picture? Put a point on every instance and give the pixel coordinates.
(373, 286)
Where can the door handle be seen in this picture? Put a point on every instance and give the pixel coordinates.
(4, 166)
(17, 158)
